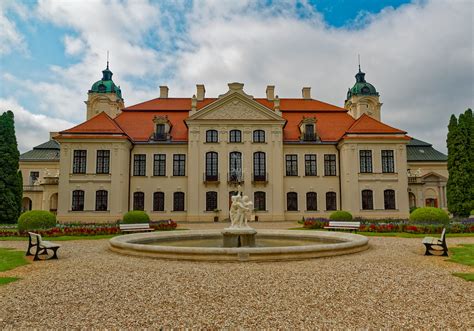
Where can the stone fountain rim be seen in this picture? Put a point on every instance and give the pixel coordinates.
(349, 243)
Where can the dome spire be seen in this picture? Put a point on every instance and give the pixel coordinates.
(108, 61)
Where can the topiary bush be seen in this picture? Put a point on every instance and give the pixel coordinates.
(429, 215)
(341, 215)
(136, 216)
(35, 220)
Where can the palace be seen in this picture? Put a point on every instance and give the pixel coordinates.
(182, 158)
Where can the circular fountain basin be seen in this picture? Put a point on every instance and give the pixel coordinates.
(206, 245)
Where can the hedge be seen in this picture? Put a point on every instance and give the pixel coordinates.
(136, 216)
(341, 215)
(35, 220)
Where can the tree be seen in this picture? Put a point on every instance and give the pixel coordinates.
(460, 186)
(11, 187)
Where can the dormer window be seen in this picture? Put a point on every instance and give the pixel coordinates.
(162, 128)
(308, 129)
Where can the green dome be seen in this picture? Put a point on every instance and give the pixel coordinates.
(361, 87)
(106, 84)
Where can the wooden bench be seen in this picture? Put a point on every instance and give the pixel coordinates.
(333, 225)
(42, 247)
(139, 227)
(429, 242)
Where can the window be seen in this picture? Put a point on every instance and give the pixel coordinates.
(367, 200)
(259, 201)
(387, 161)
(138, 201)
(331, 201)
(211, 201)
(139, 165)
(158, 201)
(259, 166)
(212, 136)
(78, 200)
(365, 158)
(34, 176)
(292, 201)
(311, 201)
(309, 132)
(101, 199)
(212, 166)
(178, 201)
(235, 136)
(329, 165)
(310, 168)
(259, 136)
(292, 165)
(160, 133)
(79, 162)
(179, 165)
(389, 199)
(235, 167)
(103, 162)
(159, 165)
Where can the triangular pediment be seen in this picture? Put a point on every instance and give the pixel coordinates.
(433, 177)
(236, 105)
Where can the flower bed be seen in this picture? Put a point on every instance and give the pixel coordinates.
(86, 230)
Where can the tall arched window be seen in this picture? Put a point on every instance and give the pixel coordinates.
(292, 201)
(389, 199)
(259, 166)
(178, 201)
(212, 136)
(158, 201)
(367, 200)
(311, 201)
(138, 201)
(260, 201)
(235, 136)
(211, 201)
(101, 200)
(259, 136)
(78, 200)
(211, 166)
(235, 167)
(331, 203)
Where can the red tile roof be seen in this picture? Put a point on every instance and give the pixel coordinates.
(101, 123)
(367, 124)
(169, 104)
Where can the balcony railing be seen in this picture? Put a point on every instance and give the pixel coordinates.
(32, 188)
(235, 177)
(51, 180)
(260, 177)
(414, 180)
(211, 178)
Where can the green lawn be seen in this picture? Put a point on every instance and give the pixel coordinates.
(10, 259)
(463, 254)
(397, 234)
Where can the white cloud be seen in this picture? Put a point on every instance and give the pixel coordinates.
(31, 129)
(73, 46)
(10, 38)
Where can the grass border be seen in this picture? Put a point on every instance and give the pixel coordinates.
(395, 234)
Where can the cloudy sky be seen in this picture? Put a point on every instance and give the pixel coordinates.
(418, 54)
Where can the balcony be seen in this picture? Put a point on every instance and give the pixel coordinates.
(51, 180)
(211, 178)
(235, 178)
(414, 180)
(32, 188)
(310, 136)
(260, 177)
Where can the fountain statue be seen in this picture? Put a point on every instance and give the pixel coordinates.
(239, 234)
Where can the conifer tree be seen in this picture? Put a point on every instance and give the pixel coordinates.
(460, 191)
(11, 188)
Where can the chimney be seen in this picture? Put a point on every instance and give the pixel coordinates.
(201, 92)
(164, 92)
(270, 92)
(306, 92)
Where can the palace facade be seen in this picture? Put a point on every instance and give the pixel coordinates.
(182, 158)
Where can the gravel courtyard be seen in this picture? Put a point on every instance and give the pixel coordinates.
(391, 285)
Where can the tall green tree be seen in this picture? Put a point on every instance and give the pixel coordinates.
(11, 187)
(460, 186)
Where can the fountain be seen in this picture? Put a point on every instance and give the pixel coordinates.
(239, 242)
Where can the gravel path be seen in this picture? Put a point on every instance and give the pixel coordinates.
(391, 285)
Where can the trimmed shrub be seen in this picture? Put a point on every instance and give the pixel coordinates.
(35, 220)
(412, 209)
(136, 216)
(429, 215)
(472, 212)
(341, 215)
